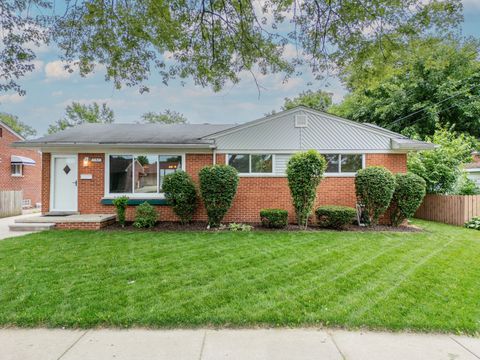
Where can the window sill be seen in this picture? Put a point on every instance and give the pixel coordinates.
(17, 176)
(136, 201)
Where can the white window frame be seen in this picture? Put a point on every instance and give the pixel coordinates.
(134, 195)
(252, 174)
(16, 166)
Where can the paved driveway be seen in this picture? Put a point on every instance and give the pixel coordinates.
(5, 231)
(255, 344)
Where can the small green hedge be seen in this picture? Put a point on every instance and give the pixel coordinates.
(409, 193)
(473, 223)
(120, 204)
(374, 187)
(335, 217)
(218, 186)
(274, 218)
(146, 216)
(180, 192)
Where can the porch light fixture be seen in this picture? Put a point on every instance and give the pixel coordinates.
(85, 161)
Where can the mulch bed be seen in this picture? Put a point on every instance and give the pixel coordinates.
(202, 226)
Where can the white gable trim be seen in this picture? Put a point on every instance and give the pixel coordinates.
(386, 133)
(12, 131)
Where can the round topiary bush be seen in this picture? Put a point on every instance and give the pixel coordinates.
(409, 192)
(145, 216)
(335, 217)
(374, 187)
(180, 192)
(218, 186)
(304, 173)
(274, 218)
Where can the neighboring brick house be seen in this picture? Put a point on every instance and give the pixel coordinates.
(85, 167)
(20, 169)
(473, 168)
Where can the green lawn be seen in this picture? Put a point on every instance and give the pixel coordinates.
(427, 281)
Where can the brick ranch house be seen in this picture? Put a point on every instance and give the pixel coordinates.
(20, 169)
(86, 167)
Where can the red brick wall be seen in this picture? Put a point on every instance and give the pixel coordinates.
(30, 182)
(254, 193)
(46, 157)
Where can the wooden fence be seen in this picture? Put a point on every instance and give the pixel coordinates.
(449, 209)
(10, 203)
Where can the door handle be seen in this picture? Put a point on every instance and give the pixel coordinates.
(75, 182)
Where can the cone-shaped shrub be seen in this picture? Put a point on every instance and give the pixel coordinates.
(374, 187)
(409, 193)
(218, 186)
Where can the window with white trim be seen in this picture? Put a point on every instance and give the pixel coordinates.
(17, 170)
(343, 163)
(251, 163)
(140, 174)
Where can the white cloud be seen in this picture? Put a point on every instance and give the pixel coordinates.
(55, 70)
(57, 93)
(471, 4)
(11, 99)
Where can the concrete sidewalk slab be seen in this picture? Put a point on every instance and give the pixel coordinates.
(138, 344)
(5, 222)
(271, 344)
(37, 344)
(470, 343)
(393, 346)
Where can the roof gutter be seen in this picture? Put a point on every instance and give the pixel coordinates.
(40, 145)
(407, 144)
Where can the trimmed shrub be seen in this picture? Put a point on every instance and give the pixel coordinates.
(218, 186)
(304, 173)
(473, 223)
(145, 216)
(239, 227)
(274, 218)
(120, 204)
(374, 187)
(335, 217)
(408, 195)
(180, 192)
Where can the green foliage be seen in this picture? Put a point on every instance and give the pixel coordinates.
(240, 227)
(409, 193)
(318, 100)
(145, 216)
(274, 218)
(18, 126)
(120, 204)
(304, 173)
(218, 186)
(335, 217)
(473, 223)
(77, 114)
(214, 43)
(374, 187)
(181, 193)
(437, 76)
(167, 117)
(465, 186)
(440, 168)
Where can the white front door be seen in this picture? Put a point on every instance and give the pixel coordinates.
(64, 183)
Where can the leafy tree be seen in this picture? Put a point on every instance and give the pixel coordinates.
(318, 100)
(167, 117)
(77, 114)
(16, 125)
(441, 167)
(304, 173)
(429, 82)
(211, 41)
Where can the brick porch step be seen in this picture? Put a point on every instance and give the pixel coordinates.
(31, 226)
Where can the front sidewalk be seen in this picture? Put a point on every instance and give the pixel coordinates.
(255, 344)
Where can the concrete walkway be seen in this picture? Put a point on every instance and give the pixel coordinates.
(259, 344)
(5, 222)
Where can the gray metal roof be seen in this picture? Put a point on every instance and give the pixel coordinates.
(323, 132)
(113, 134)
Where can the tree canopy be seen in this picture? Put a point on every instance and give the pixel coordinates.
(76, 114)
(318, 100)
(14, 123)
(430, 82)
(212, 42)
(166, 117)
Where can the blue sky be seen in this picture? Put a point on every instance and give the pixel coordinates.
(49, 89)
